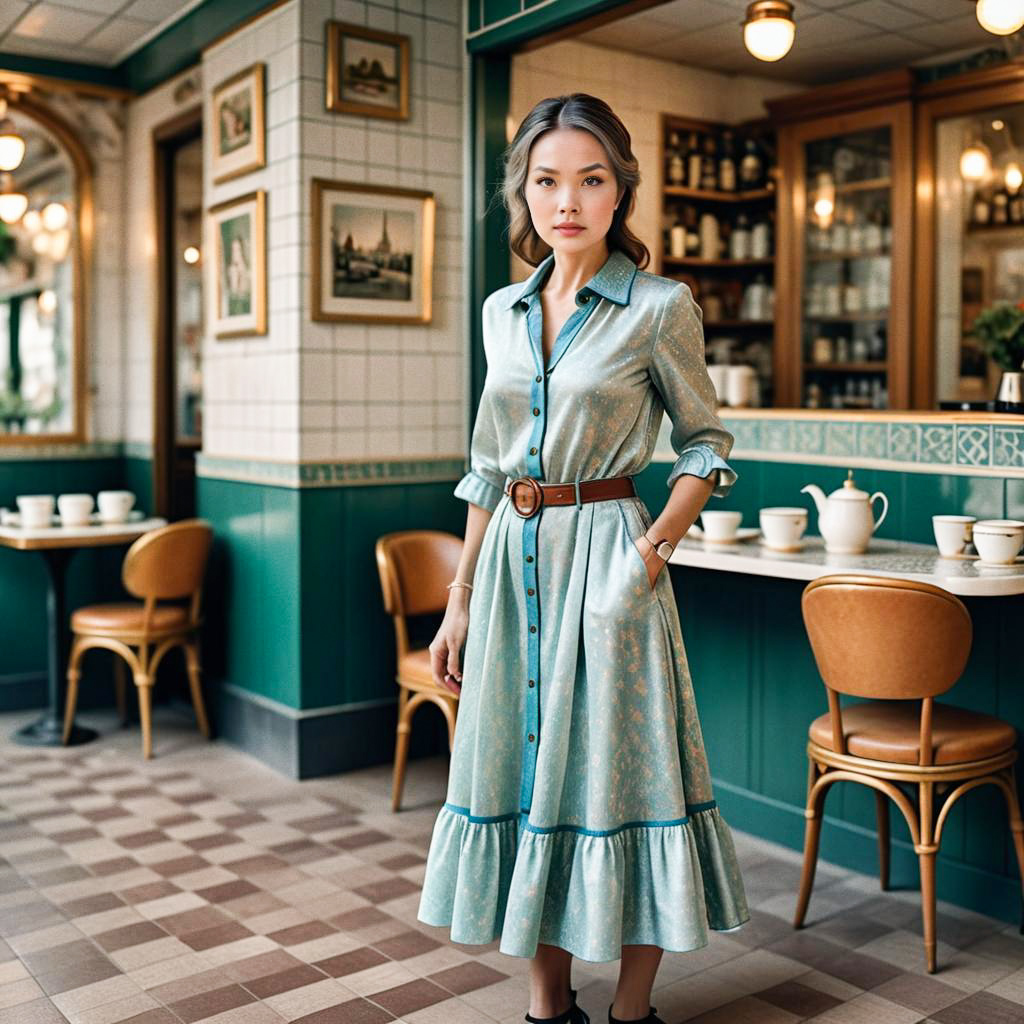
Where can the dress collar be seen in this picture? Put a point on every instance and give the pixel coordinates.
(613, 281)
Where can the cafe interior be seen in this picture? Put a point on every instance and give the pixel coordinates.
(244, 247)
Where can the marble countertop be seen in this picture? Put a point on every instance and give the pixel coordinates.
(964, 577)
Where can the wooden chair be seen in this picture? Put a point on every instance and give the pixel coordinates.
(900, 643)
(166, 564)
(414, 567)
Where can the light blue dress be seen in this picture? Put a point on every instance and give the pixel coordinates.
(579, 809)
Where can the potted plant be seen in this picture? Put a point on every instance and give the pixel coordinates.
(1000, 330)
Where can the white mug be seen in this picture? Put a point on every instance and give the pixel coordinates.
(953, 533)
(36, 509)
(115, 505)
(74, 509)
(720, 524)
(783, 526)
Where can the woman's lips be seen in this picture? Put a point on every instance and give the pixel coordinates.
(574, 230)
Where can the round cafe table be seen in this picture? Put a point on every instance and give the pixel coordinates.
(57, 545)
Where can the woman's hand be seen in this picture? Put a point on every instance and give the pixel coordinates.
(652, 559)
(446, 645)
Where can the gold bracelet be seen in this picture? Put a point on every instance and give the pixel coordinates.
(459, 583)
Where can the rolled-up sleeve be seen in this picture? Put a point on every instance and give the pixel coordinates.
(679, 370)
(484, 483)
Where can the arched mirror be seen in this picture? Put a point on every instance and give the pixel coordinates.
(45, 229)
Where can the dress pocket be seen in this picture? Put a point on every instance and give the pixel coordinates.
(635, 521)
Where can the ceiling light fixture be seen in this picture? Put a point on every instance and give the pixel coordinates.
(769, 29)
(1000, 17)
(976, 162)
(12, 145)
(12, 204)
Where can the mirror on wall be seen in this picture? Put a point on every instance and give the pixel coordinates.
(978, 243)
(41, 301)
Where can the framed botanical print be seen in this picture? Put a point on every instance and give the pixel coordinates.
(367, 71)
(239, 267)
(238, 125)
(372, 253)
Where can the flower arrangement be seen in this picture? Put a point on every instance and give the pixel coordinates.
(1000, 330)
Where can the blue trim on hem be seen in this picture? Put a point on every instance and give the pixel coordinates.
(493, 819)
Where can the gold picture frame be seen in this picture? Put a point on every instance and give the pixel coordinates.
(238, 124)
(238, 289)
(367, 71)
(371, 253)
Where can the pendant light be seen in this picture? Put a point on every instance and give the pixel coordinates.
(1000, 17)
(975, 162)
(12, 204)
(769, 29)
(12, 145)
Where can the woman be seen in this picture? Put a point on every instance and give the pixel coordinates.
(580, 819)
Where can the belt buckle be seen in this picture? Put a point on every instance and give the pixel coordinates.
(533, 494)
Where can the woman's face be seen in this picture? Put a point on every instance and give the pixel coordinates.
(570, 180)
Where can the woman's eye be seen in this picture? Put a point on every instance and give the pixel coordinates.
(594, 178)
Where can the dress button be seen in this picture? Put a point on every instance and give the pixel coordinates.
(533, 451)
(529, 590)
(539, 378)
(536, 411)
(529, 558)
(531, 737)
(532, 682)
(533, 629)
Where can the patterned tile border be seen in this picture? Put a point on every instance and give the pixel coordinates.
(984, 449)
(332, 474)
(39, 452)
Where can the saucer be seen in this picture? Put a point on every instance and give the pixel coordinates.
(963, 556)
(743, 533)
(1019, 560)
(799, 546)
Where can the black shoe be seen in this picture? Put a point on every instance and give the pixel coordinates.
(651, 1018)
(574, 1015)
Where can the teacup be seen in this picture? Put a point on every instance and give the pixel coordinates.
(998, 540)
(720, 524)
(36, 509)
(114, 506)
(74, 509)
(953, 533)
(783, 526)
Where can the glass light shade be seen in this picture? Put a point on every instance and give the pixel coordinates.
(1000, 17)
(975, 162)
(12, 206)
(32, 221)
(823, 208)
(47, 300)
(1013, 176)
(55, 216)
(12, 148)
(41, 243)
(60, 241)
(191, 254)
(769, 30)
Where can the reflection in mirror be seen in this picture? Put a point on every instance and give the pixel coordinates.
(979, 246)
(188, 287)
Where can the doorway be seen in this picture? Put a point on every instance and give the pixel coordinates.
(179, 315)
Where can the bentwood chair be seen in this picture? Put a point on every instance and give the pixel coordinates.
(161, 567)
(414, 567)
(899, 643)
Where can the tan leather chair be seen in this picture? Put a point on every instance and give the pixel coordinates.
(900, 643)
(163, 565)
(415, 566)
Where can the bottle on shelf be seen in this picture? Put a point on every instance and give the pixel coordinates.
(709, 236)
(693, 162)
(727, 164)
(751, 166)
(692, 236)
(1000, 204)
(677, 240)
(709, 165)
(739, 240)
(980, 209)
(675, 170)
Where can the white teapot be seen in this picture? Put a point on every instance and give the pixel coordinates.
(845, 517)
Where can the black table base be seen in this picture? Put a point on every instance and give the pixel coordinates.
(46, 731)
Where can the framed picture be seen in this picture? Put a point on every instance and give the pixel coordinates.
(239, 267)
(372, 253)
(238, 125)
(367, 71)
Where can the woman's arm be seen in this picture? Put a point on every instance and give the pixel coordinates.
(688, 496)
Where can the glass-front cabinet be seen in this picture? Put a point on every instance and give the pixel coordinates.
(842, 336)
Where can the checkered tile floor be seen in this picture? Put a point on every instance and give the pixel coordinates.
(203, 887)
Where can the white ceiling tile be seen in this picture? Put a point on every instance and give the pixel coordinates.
(92, 6)
(154, 10)
(118, 34)
(44, 48)
(954, 34)
(882, 14)
(10, 12)
(56, 24)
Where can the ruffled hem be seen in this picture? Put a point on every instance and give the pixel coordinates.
(474, 488)
(701, 460)
(656, 883)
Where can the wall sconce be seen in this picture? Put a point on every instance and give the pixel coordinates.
(769, 29)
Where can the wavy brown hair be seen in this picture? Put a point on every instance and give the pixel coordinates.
(586, 112)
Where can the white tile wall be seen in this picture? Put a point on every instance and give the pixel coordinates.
(638, 89)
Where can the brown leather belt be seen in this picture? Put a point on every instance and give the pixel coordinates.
(528, 495)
